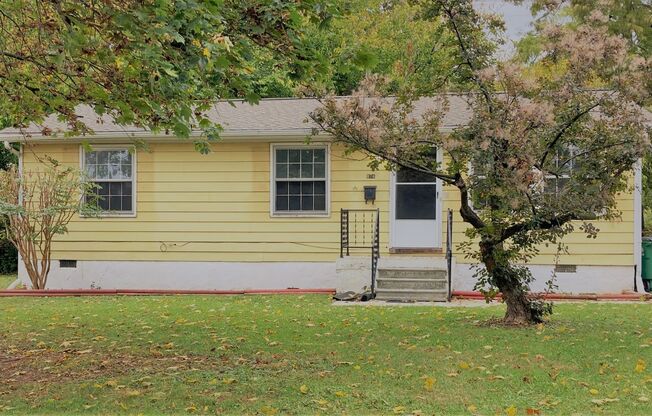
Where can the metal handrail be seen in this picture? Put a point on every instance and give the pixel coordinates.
(361, 232)
(449, 250)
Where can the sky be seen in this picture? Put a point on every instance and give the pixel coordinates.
(517, 18)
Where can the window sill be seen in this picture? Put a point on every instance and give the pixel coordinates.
(125, 215)
(300, 215)
(416, 250)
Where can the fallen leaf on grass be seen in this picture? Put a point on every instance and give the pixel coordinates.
(640, 366)
(303, 389)
(511, 411)
(601, 402)
(429, 383)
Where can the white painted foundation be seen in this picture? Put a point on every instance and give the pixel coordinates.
(349, 273)
(587, 279)
(188, 275)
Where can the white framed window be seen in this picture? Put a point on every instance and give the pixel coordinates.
(113, 171)
(566, 160)
(299, 184)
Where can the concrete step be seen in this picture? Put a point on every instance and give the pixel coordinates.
(412, 295)
(405, 283)
(412, 273)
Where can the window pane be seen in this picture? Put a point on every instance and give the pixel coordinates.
(281, 188)
(281, 170)
(115, 203)
(115, 188)
(281, 203)
(306, 156)
(320, 203)
(306, 203)
(307, 188)
(320, 155)
(126, 203)
(281, 155)
(102, 172)
(114, 171)
(102, 188)
(294, 203)
(103, 203)
(90, 171)
(306, 170)
(91, 158)
(294, 155)
(416, 202)
(295, 188)
(293, 170)
(126, 188)
(103, 158)
(409, 175)
(320, 187)
(320, 170)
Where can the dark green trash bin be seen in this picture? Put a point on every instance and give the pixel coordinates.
(646, 273)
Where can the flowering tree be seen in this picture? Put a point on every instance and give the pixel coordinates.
(36, 207)
(544, 152)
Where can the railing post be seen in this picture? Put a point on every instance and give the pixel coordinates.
(449, 250)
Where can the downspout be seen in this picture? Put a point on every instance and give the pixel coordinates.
(638, 227)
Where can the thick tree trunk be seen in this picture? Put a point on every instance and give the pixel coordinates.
(520, 308)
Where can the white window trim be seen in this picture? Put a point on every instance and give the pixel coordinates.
(134, 178)
(272, 181)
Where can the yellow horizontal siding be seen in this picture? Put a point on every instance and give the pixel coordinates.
(215, 207)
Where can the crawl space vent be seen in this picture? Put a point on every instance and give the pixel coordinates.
(68, 264)
(566, 268)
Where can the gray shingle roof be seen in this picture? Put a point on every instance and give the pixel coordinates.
(275, 116)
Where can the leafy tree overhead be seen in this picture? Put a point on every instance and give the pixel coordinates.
(369, 36)
(543, 153)
(156, 64)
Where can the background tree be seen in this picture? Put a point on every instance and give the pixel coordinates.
(548, 151)
(36, 207)
(8, 253)
(368, 36)
(155, 64)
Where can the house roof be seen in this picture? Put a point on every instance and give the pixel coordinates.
(270, 117)
(284, 117)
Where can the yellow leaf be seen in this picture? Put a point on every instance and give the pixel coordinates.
(399, 409)
(340, 394)
(111, 383)
(593, 391)
(269, 410)
(464, 365)
(303, 389)
(228, 380)
(511, 411)
(206, 52)
(132, 393)
(429, 383)
(640, 366)
(472, 408)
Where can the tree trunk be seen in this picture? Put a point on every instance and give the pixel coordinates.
(521, 309)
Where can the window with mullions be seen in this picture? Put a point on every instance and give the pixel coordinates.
(300, 180)
(566, 161)
(112, 173)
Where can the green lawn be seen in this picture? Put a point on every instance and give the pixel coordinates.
(6, 280)
(300, 355)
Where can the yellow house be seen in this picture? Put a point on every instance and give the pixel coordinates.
(265, 210)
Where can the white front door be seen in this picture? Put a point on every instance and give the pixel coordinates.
(415, 210)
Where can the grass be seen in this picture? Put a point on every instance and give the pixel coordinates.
(6, 280)
(300, 355)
